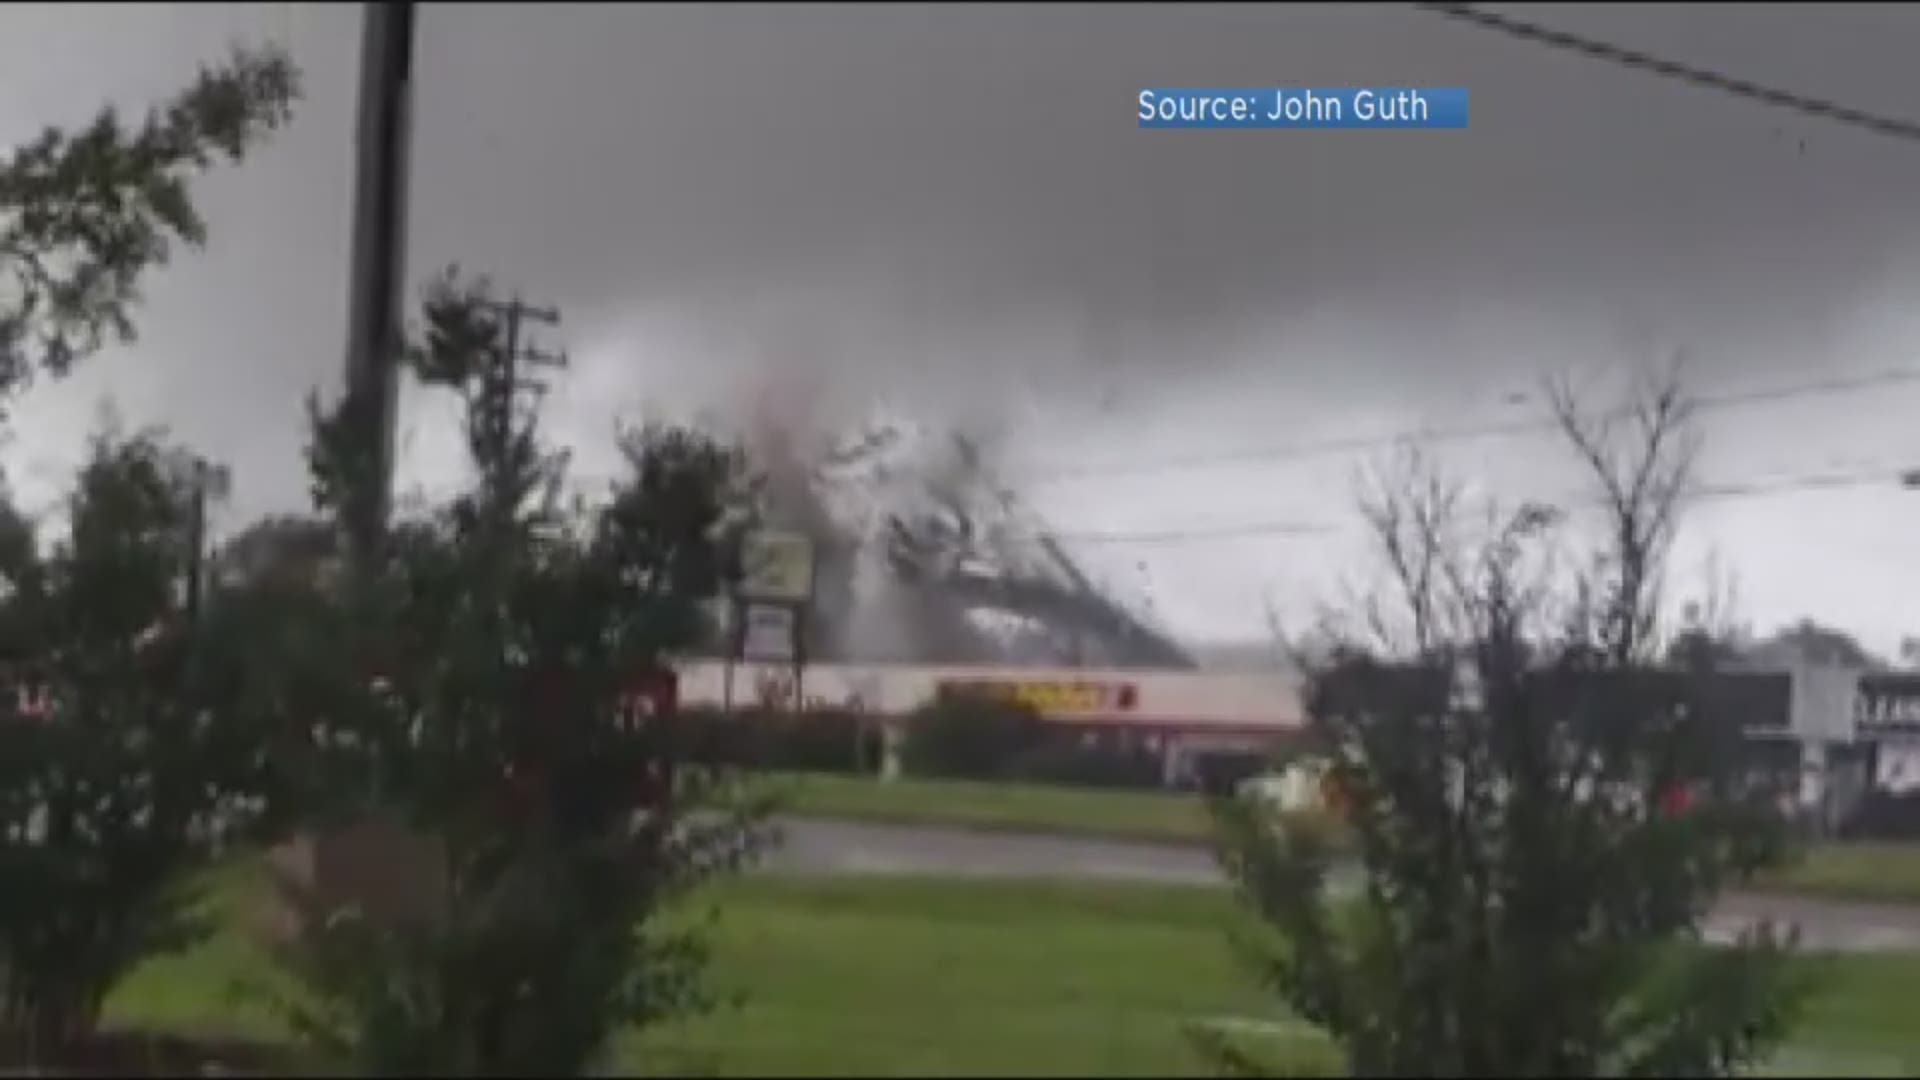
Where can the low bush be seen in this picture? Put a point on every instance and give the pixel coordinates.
(841, 743)
(1066, 758)
(1884, 815)
(829, 742)
(968, 737)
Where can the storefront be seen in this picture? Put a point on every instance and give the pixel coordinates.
(1886, 721)
(1190, 721)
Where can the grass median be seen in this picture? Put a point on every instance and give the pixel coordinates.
(858, 976)
(1150, 816)
(1876, 872)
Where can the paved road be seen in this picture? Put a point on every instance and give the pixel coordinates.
(833, 847)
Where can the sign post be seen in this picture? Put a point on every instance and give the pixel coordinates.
(768, 633)
(770, 606)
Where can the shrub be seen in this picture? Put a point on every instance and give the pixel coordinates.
(1066, 758)
(835, 741)
(132, 772)
(1542, 812)
(969, 736)
(484, 670)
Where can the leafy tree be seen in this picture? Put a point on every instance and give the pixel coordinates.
(484, 698)
(1542, 815)
(85, 214)
(285, 548)
(114, 766)
(126, 777)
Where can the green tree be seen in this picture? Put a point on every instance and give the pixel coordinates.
(117, 777)
(84, 215)
(1509, 758)
(484, 697)
(124, 778)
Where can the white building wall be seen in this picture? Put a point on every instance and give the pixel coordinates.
(1191, 700)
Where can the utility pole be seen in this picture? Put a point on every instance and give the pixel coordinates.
(502, 382)
(197, 537)
(206, 482)
(377, 266)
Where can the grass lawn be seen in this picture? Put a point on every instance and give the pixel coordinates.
(927, 977)
(1124, 815)
(1886, 872)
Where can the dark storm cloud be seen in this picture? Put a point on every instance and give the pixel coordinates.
(969, 168)
(952, 205)
(233, 335)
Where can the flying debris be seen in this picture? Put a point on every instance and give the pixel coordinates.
(926, 556)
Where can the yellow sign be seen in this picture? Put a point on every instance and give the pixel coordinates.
(1050, 697)
(776, 566)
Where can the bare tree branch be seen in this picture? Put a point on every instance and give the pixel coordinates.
(1641, 469)
(1411, 508)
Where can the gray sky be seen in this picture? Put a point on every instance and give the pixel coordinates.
(951, 209)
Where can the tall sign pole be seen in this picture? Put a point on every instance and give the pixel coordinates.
(769, 609)
(377, 265)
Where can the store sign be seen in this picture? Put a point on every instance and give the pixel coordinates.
(776, 566)
(768, 632)
(1887, 705)
(1051, 697)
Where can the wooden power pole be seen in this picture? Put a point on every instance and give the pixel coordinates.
(377, 264)
(502, 380)
(207, 482)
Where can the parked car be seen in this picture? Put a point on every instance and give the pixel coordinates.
(1301, 785)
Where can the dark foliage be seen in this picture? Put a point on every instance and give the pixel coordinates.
(119, 771)
(482, 696)
(829, 741)
(966, 736)
(1067, 757)
(85, 215)
(1541, 816)
(129, 773)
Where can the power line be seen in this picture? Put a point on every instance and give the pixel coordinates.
(1696, 76)
(1811, 482)
(1174, 536)
(1538, 425)
(1707, 492)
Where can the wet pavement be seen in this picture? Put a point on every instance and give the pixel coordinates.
(839, 847)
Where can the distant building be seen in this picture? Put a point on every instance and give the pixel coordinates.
(1186, 717)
